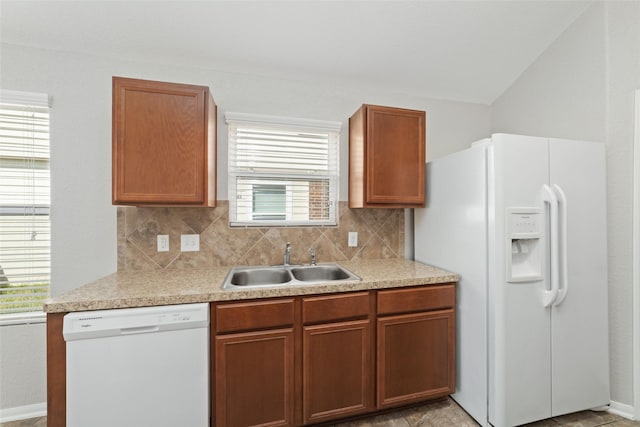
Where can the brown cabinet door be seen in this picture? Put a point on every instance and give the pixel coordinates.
(416, 357)
(163, 143)
(387, 157)
(395, 156)
(337, 370)
(254, 379)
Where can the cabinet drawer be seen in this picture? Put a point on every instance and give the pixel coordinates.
(254, 315)
(335, 307)
(416, 299)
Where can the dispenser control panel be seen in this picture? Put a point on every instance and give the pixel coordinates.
(524, 249)
(524, 223)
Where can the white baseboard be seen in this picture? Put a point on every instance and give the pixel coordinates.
(622, 409)
(23, 412)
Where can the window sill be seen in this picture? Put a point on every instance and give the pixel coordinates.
(23, 318)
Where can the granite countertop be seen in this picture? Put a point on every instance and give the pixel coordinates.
(149, 288)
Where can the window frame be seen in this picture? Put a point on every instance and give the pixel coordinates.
(295, 177)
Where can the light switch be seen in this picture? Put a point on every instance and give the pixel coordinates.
(353, 239)
(189, 242)
(163, 243)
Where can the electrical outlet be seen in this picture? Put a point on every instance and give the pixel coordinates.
(190, 243)
(163, 243)
(353, 239)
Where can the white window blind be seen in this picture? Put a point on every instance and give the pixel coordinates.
(282, 171)
(24, 201)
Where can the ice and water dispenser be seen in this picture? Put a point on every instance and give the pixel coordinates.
(524, 244)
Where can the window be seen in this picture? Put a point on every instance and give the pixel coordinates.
(282, 171)
(24, 201)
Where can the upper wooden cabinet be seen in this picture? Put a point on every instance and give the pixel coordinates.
(386, 157)
(164, 144)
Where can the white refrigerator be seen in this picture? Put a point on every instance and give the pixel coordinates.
(522, 220)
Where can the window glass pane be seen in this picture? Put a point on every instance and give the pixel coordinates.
(296, 200)
(319, 196)
(281, 174)
(24, 206)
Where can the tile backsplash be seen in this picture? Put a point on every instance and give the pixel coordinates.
(380, 235)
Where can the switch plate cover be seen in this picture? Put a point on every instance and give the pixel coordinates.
(353, 239)
(163, 243)
(189, 242)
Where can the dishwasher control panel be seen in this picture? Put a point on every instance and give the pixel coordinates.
(103, 323)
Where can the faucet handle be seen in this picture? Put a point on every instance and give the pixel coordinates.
(287, 253)
(313, 255)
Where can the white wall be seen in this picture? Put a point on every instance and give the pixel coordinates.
(623, 66)
(562, 94)
(582, 88)
(23, 370)
(83, 220)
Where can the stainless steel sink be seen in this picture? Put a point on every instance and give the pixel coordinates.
(320, 273)
(260, 276)
(253, 277)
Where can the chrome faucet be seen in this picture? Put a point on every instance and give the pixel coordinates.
(313, 256)
(287, 253)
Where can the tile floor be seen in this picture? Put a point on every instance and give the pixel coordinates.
(442, 413)
(446, 413)
(32, 422)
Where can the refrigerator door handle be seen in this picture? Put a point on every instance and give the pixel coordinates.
(548, 196)
(564, 277)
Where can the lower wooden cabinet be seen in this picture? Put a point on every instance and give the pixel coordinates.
(336, 370)
(416, 357)
(312, 359)
(254, 379)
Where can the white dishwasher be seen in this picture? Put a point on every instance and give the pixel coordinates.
(138, 367)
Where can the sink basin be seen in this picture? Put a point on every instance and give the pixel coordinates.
(260, 276)
(252, 277)
(319, 273)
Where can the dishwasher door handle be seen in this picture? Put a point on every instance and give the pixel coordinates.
(139, 330)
